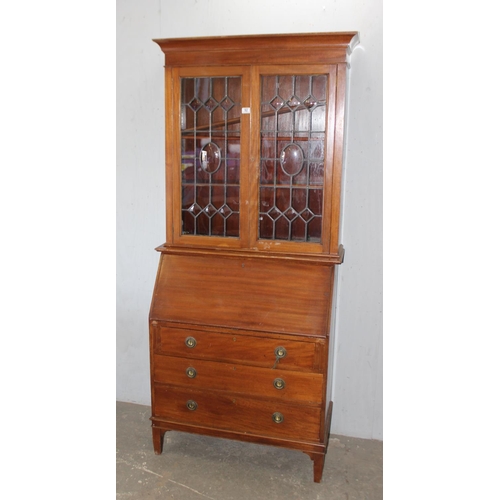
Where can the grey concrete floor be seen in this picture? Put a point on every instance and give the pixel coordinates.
(199, 467)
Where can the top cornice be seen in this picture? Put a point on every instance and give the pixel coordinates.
(297, 48)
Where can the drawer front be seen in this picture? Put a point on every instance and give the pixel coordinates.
(241, 349)
(275, 383)
(235, 412)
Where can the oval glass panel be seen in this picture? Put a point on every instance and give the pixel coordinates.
(292, 159)
(210, 157)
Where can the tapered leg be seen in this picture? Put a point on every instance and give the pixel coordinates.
(319, 464)
(158, 440)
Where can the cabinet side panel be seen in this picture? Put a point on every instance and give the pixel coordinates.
(272, 296)
(170, 161)
(338, 154)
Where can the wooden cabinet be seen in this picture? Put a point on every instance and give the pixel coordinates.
(241, 312)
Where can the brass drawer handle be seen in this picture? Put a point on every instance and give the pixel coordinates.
(190, 342)
(279, 383)
(191, 372)
(192, 405)
(278, 417)
(280, 352)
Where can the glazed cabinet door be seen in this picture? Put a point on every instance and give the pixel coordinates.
(208, 155)
(294, 170)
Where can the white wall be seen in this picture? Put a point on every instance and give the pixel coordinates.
(357, 391)
(140, 189)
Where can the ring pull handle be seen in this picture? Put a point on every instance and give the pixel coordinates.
(279, 352)
(279, 383)
(190, 342)
(192, 405)
(278, 417)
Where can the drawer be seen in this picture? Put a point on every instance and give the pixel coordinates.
(238, 348)
(251, 380)
(234, 412)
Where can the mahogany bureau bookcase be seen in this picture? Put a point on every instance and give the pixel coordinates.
(241, 311)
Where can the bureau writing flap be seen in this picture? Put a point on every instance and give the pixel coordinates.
(250, 293)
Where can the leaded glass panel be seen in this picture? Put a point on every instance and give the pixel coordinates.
(292, 154)
(210, 155)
